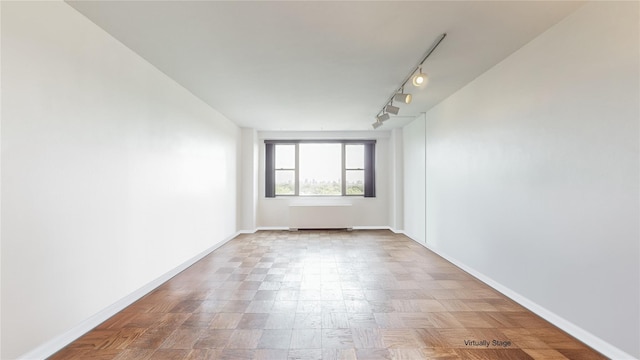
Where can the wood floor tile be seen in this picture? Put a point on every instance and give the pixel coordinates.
(169, 354)
(389, 321)
(280, 321)
(524, 339)
(483, 354)
(416, 320)
(367, 338)
(400, 338)
(339, 354)
(70, 354)
(557, 339)
(439, 353)
(235, 306)
(305, 354)
(373, 354)
(100, 354)
(271, 354)
(225, 321)
(183, 338)
(275, 339)
(337, 338)
(244, 339)
(444, 320)
(545, 354)
(135, 354)
(260, 306)
(213, 339)
(284, 306)
(199, 320)
(361, 320)
(472, 319)
(309, 295)
(581, 354)
(331, 295)
(253, 321)
(265, 295)
(335, 320)
(151, 339)
(306, 339)
(186, 306)
(93, 339)
(408, 354)
(308, 321)
(203, 354)
(237, 354)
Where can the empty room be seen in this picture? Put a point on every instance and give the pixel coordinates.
(319, 180)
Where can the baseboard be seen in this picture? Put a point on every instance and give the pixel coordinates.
(278, 228)
(246, 232)
(572, 329)
(371, 228)
(56, 344)
(272, 228)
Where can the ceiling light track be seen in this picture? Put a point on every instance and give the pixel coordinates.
(420, 79)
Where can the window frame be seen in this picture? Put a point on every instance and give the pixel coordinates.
(345, 170)
(368, 166)
(296, 171)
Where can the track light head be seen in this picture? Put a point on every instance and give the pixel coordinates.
(420, 79)
(392, 109)
(403, 98)
(383, 117)
(376, 124)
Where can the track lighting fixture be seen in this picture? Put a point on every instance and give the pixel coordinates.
(391, 109)
(383, 117)
(402, 97)
(418, 79)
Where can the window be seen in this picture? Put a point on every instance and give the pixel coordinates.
(320, 168)
(354, 169)
(285, 171)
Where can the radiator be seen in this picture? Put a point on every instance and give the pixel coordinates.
(320, 216)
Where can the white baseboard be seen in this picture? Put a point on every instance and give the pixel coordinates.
(278, 228)
(396, 231)
(56, 344)
(572, 329)
(247, 231)
(371, 228)
(271, 228)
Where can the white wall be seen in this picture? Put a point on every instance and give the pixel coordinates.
(112, 174)
(371, 212)
(533, 175)
(396, 180)
(249, 179)
(414, 178)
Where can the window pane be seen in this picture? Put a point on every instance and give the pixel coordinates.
(354, 156)
(320, 169)
(285, 156)
(285, 182)
(355, 182)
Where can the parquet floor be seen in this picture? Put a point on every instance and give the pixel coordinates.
(325, 295)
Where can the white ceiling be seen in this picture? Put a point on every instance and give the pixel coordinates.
(321, 65)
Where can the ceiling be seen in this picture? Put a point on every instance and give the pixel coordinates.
(321, 65)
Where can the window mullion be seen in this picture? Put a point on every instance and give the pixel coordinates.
(344, 170)
(297, 171)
